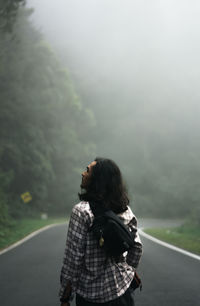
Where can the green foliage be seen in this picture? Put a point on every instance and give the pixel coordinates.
(42, 123)
(194, 217)
(18, 229)
(186, 236)
(4, 215)
(8, 12)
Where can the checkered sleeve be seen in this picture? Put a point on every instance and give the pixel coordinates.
(74, 252)
(135, 253)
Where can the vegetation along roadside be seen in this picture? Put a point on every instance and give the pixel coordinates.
(186, 236)
(19, 229)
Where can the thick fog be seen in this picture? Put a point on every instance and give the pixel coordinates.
(136, 65)
(144, 55)
(150, 44)
(81, 79)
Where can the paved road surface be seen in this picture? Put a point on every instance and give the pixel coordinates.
(29, 274)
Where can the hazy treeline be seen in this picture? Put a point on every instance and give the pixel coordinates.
(159, 154)
(134, 108)
(8, 12)
(43, 126)
(136, 65)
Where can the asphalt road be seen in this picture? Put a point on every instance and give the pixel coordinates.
(29, 274)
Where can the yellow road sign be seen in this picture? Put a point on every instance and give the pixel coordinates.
(26, 197)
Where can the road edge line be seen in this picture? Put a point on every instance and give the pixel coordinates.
(167, 245)
(29, 236)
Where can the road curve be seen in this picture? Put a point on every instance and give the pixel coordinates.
(30, 273)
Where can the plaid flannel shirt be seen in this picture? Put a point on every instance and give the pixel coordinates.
(91, 274)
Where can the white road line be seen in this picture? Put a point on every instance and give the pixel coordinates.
(167, 245)
(29, 237)
(141, 232)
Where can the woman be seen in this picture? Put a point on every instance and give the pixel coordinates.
(87, 271)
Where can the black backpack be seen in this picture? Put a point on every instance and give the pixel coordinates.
(111, 233)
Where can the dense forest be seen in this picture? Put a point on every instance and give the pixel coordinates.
(43, 124)
(56, 115)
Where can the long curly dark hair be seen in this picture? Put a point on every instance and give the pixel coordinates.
(106, 186)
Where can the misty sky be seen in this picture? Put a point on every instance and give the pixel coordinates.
(158, 37)
(145, 54)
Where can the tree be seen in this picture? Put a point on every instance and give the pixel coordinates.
(40, 123)
(8, 13)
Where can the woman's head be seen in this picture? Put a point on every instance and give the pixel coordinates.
(103, 183)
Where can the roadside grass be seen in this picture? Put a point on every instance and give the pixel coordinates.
(186, 236)
(21, 228)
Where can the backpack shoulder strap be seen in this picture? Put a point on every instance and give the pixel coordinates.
(93, 208)
(97, 209)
